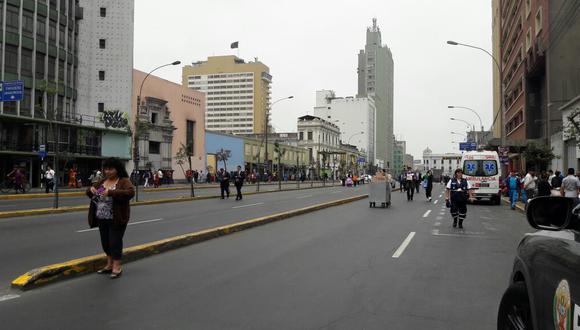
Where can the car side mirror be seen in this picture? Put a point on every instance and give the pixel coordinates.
(549, 212)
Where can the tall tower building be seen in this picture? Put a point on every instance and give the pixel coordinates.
(106, 67)
(375, 79)
(238, 93)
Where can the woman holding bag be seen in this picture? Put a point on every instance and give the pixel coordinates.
(109, 210)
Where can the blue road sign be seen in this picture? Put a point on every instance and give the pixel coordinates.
(42, 154)
(12, 90)
(467, 146)
(361, 160)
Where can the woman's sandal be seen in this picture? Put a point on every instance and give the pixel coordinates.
(105, 271)
(116, 275)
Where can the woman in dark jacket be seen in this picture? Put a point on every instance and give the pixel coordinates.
(544, 187)
(429, 186)
(109, 210)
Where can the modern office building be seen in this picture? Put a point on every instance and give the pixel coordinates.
(106, 67)
(41, 45)
(355, 116)
(399, 157)
(174, 116)
(376, 80)
(238, 93)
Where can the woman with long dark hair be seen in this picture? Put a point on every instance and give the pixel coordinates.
(110, 211)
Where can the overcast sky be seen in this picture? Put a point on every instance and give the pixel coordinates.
(313, 45)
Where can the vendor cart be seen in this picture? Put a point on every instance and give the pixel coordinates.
(380, 193)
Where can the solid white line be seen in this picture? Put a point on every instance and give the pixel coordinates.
(9, 297)
(248, 205)
(435, 202)
(440, 195)
(302, 197)
(426, 214)
(129, 224)
(404, 245)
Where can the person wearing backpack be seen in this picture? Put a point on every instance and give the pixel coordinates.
(428, 184)
(457, 194)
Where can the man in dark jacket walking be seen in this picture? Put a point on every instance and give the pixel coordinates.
(224, 179)
(239, 178)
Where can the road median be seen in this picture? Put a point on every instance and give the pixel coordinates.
(82, 266)
(77, 208)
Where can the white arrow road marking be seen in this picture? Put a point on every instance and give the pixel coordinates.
(129, 224)
(248, 205)
(426, 214)
(404, 245)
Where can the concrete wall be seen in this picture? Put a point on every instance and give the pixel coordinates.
(214, 142)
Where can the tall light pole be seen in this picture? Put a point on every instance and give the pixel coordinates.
(470, 109)
(136, 155)
(502, 88)
(469, 125)
(455, 133)
(267, 127)
(350, 138)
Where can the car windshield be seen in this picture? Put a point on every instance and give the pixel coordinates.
(480, 167)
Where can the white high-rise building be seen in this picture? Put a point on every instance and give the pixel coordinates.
(355, 116)
(106, 68)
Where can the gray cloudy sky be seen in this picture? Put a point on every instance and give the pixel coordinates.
(312, 45)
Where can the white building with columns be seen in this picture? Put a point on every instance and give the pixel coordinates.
(321, 138)
(446, 162)
(355, 116)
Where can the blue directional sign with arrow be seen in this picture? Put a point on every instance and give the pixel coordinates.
(11, 90)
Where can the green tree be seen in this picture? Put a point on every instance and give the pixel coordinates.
(538, 156)
(223, 156)
(184, 154)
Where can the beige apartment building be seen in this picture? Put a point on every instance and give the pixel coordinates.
(237, 93)
(176, 116)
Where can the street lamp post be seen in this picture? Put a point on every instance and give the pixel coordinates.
(502, 88)
(267, 128)
(350, 138)
(455, 133)
(472, 110)
(136, 133)
(470, 125)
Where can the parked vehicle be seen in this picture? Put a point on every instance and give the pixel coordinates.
(481, 169)
(544, 287)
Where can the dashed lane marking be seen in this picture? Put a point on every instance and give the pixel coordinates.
(404, 245)
(129, 224)
(437, 224)
(426, 214)
(302, 197)
(436, 201)
(439, 217)
(460, 233)
(8, 297)
(247, 205)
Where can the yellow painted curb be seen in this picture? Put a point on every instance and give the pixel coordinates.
(68, 209)
(68, 269)
(518, 207)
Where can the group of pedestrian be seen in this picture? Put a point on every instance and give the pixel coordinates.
(530, 185)
(410, 182)
(224, 178)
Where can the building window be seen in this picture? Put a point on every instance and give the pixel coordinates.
(154, 147)
(539, 21)
(153, 118)
(40, 65)
(28, 23)
(41, 28)
(189, 136)
(11, 58)
(301, 136)
(434, 161)
(103, 12)
(12, 19)
(101, 107)
(528, 39)
(101, 75)
(52, 32)
(309, 135)
(26, 65)
(102, 43)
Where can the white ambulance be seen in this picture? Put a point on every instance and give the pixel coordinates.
(482, 170)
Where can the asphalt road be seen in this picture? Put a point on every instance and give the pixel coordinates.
(30, 242)
(346, 267)
(39, 203)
